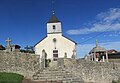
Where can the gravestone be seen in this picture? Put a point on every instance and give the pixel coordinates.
(11, 48)
(43, 59)
(8, 47)
(60, 63)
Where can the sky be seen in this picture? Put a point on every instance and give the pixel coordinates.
(83, 21)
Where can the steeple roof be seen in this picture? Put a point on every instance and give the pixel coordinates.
(53, 19)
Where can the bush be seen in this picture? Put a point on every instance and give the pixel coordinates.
(10, 78)
(27, 51)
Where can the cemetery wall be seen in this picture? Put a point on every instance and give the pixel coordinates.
(96, 72)
(21, 63)
(82, 70)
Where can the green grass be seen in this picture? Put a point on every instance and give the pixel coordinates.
(116, 81)
(10, 78)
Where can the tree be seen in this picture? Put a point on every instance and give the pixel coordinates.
(28, 49)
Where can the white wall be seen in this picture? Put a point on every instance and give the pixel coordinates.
(50, 27)
(62, 45)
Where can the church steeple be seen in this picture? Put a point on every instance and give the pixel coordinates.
(54, 24)
(53, 10)
(53, 18)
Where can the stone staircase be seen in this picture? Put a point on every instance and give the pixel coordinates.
(56, 75)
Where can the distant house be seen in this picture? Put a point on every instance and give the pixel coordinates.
(111, 51)
(113, 56)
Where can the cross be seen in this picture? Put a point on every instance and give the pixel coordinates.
(96, 43)
(8, 41)
(53, 10)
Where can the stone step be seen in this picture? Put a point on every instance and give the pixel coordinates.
(51, 75)
(55, 75)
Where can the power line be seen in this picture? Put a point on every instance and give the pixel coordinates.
(95, 36)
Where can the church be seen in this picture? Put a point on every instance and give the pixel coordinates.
(55, 45)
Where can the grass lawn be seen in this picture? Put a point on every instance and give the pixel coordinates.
(10, 78)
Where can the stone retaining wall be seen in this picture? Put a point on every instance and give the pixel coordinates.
(72, 71)
(79, 71)
(97, 72)
(21, 63)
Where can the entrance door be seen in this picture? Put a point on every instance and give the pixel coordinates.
(55, 55)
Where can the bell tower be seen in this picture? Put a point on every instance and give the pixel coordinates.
(54, 25)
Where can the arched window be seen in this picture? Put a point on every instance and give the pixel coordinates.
(54, 27)
(65, 55)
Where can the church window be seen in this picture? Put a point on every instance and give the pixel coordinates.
(54, 40)
(55, 55)
(55, 51)
(54, 27)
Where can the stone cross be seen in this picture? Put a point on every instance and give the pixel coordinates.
(96, 43)
(8, 41)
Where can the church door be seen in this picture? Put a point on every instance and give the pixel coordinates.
(55, 55)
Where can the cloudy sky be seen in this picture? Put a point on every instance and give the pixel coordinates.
(84, 21)
(105, 28)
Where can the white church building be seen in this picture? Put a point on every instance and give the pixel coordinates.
(55, 45)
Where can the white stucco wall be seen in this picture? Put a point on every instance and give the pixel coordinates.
(62, 45)
(50, 27)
